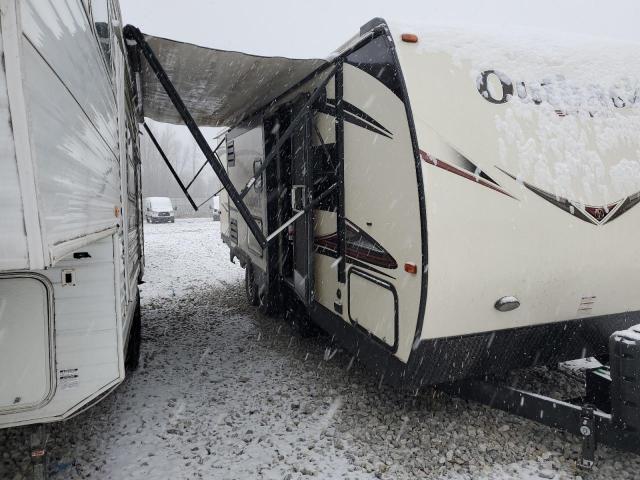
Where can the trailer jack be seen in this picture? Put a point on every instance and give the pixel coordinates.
(587, 430)
(608, 414)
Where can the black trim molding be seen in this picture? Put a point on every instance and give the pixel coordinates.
(377, 281)
(497, 352)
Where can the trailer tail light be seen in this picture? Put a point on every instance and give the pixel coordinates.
(409, 38)
(411, 267)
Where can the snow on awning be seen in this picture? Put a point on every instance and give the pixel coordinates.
(218, 87)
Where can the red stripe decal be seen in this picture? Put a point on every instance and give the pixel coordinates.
(463, 173)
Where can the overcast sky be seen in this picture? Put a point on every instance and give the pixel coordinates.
(315, 28)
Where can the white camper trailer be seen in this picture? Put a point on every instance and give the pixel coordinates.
(446, 204)
(460, 209)
(71, 253)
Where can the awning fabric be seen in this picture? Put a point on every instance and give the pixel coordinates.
(218, 87)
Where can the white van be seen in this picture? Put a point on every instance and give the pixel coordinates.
(159, 209)
(215, 208)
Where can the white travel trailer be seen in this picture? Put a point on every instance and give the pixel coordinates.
(71, 253)
(481, 208)
(446, 204)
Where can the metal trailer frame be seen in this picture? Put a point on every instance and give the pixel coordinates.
(590, 417)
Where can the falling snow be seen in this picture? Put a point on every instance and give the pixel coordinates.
(224, 392)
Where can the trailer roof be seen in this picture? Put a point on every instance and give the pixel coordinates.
(218, 87)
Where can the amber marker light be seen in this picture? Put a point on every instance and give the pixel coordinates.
(409, 38)
(411, 267)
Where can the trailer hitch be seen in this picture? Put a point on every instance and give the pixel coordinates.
(593, 425)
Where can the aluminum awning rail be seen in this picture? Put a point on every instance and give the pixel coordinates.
(218, 87)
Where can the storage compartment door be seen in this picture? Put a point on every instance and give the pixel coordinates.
(373, 306)
(25, 365)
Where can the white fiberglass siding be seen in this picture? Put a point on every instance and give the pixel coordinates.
(73, 121)
(557, 115)
(13, 240)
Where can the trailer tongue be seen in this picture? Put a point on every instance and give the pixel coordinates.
(609, 413)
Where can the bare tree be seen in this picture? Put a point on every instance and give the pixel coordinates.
(186, 158)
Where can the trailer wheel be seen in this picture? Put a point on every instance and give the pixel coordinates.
(250, 287)
(132, 358)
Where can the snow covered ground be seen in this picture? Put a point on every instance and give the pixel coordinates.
(223, 392)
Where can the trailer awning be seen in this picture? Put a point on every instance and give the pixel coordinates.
(217, 86)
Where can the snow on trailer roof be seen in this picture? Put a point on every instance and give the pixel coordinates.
(218, 86)
(562, 111)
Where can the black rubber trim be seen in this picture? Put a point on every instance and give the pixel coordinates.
(375, 355)
(497, 352)
(449, 359)
(419, 180)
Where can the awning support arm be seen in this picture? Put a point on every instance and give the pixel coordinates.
(166, 160)
(305, 210)
(132, 33)
(341, 226)
(300, 116)
(216, 193)
(215, 152)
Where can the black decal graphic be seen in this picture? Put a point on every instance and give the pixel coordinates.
(594, 214)
(355, 116)
(360, 246)
(483, 86)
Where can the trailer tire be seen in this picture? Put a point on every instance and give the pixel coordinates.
(250, 286)
(132, 358)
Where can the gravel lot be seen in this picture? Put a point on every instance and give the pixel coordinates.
(226, 393)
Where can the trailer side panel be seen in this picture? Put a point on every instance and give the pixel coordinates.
(13, 238)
